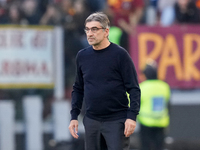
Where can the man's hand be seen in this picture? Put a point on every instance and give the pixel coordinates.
(129, 127)
(73, 128)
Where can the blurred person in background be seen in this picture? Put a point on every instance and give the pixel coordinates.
(3, 15)
(162, 4)
(167, 12)
(52, 16)
(151, 14)
(82, 11)
(14, 15)
(186, 12)
(42, 5)
(115, 33)
(198, 4)
(31, 12)
(153, 117)
(126, 15)
(71, 23)
(105, 71)
(96, 5)
(67, 12)
(160, 12)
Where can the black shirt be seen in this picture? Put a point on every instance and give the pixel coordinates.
(102, 79)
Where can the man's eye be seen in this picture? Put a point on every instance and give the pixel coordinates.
(94, 29)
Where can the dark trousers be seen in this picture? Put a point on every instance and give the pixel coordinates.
(107, 135)
(152, 138)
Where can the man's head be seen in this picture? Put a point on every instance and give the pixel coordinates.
(150, 70)
(99, 17)
(183, 2)
(97, 28)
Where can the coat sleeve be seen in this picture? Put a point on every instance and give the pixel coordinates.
(78, 92)
(130, 80)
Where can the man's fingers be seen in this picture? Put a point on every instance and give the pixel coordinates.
(76, 129)
(73, 132)
(129, 132)
(129, 127)
(73, 128)
(126, 129)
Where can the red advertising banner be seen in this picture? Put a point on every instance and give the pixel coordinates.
(176, 49)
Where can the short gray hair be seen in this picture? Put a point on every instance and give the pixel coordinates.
(99, 17)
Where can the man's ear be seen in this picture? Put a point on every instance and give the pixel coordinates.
(107, 32)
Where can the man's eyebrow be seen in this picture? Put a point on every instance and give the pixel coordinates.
(92, 27)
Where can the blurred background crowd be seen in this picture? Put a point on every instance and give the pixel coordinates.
(125, 16)
(71, 14)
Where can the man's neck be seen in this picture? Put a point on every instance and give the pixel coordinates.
(101, 46)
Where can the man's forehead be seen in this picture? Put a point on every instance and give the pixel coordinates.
(92, 24)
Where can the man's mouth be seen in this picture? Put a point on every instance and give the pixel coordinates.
(90, 38)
